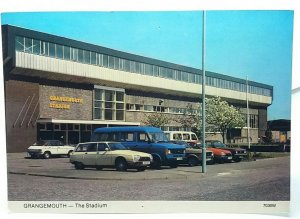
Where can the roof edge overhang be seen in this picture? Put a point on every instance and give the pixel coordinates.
(92, 122)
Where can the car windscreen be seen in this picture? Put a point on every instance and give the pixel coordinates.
(157, 137)
(40, 143)
(117, 146)
(197, 146)
(217, 144)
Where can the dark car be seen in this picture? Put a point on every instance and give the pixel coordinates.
(193, 156)
(237, 153)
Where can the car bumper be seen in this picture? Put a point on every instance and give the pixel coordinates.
(34, 154)
(208, 159)
(174, 158)
(239, 156)
(223, 158)
(139, 164)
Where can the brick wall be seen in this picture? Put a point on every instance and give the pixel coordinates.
(21, 113)
(78, 105)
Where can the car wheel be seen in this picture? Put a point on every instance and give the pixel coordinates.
(79, 166)
(211, 162)
(174, 165)
(32, 156)
(141, 169)
(237, 159)
(192, 161)
(221, 161)
(69, 153)
(121, 164)
(47, 155)
(155, 164)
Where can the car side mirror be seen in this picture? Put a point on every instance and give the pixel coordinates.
(106, 149)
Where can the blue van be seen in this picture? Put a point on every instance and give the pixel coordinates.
(145, 139)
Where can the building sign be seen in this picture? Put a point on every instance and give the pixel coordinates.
(60, 102)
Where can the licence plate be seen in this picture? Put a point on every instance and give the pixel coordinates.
(179, 158)
(229, 158)
(146, 162)
(208, 158)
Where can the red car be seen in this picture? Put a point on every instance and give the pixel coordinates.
(220, 155)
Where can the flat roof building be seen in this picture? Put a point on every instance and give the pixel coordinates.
(59, 88)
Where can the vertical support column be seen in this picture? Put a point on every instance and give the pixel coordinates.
(203, 96)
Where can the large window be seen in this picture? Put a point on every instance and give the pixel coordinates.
(253, 120)
(109, 104)
(19, 44)
(36, 47)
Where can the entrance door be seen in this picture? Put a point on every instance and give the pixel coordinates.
(60, 135)
(73, 137)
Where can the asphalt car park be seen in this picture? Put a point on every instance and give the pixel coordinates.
(60, 167)
(57, 179)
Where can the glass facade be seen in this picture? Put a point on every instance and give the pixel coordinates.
(109, 105)
(162, 109)
(253, 120)
(38, 47)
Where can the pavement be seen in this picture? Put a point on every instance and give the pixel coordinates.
(20, 163)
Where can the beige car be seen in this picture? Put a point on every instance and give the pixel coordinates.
(108, 154)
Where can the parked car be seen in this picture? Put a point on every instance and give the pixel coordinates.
(237, 153)
(144, 139)
(189, 137)
(220, 155)
(108, 154)
(49, 148)
(193, 156)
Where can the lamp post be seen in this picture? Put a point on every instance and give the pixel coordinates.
(248, 122)
(203, 96)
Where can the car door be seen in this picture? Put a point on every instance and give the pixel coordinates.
(104, 155)
(143, 143)
(52, 146)
(60, 148)
(90, 155)
(80, 151)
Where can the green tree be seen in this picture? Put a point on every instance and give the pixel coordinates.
(220, 116)
(223, 116)
(156, 119)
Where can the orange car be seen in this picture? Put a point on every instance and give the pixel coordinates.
(220, 155)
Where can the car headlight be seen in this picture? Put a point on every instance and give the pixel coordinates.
(168, 151)
(151, 158)
(136, 158)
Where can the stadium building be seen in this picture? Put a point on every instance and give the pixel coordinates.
(59, 88)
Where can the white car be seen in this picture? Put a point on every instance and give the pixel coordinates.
(109, 154)
(49, 148)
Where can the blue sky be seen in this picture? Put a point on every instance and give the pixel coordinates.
(257, 44)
